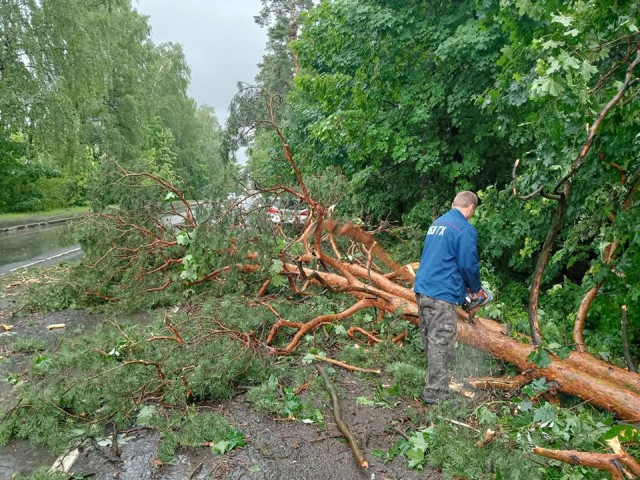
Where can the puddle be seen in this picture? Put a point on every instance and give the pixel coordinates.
(20, 458)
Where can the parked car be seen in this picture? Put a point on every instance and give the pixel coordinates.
(288, 211)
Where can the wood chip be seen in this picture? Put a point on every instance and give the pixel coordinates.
(55, 326)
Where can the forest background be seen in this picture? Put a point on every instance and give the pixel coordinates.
(388, 107)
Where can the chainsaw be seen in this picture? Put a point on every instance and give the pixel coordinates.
(471, 305)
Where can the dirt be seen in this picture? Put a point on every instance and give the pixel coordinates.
(275, 449)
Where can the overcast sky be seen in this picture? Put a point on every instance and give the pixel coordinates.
(221, 42)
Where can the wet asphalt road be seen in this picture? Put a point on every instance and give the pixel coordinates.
(35, 246)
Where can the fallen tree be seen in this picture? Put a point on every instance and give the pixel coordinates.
(372, 277)
(341, 258)
(580, 375)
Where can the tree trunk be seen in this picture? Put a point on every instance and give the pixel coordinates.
(580, 375)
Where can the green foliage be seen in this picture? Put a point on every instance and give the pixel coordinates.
(235, 439)
(27, 345)
(540, 357)
(46, 290)
(43, 473)
(409, 378)
(626, 433)
(191, 429)
(101, 379)
(414, 449)
(82, 82)
(282, 18)
(450, 447)
(51, 297)
(374, 117)
(273, 399)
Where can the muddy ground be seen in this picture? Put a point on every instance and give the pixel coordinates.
(275, 449)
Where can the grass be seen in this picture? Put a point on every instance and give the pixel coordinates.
(4, 217)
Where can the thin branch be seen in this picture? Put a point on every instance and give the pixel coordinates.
(337, 415)
(346, 366)
(625, 340)
(514, 175)
(372, 338)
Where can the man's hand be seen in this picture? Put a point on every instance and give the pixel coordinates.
(472, 312)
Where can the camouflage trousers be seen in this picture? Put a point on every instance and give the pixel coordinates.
(438, 323)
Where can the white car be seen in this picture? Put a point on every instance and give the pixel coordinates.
(288, 211)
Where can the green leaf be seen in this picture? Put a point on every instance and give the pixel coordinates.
(189, 268)
(486, 416)
(626, 433)
(234, 439)
(145, 415)
(549, 44)
(292, 403)
(587, 70)
(183, 238)
(564, 20)
(554, 88)
(415, 458)
(568, 61)
(365, 401)
(525, 405)
(540, 357)
(544, 414)
(559, 350)
(277, 280)
(221, 447)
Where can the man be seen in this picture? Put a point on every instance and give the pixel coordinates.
(448, 267)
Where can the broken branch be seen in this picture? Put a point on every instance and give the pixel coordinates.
(346, 365)
(337, 415)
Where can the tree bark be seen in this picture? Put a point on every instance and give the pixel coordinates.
(625, 339)
(619, 464)
(536, 281)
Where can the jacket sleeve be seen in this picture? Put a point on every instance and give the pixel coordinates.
(468, 262)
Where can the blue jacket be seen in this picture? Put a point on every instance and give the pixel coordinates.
(449, 262)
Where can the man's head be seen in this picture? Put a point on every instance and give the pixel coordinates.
(466, 202)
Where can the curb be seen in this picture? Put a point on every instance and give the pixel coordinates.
(16, 228)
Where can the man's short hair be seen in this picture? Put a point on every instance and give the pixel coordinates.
(465, 199)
